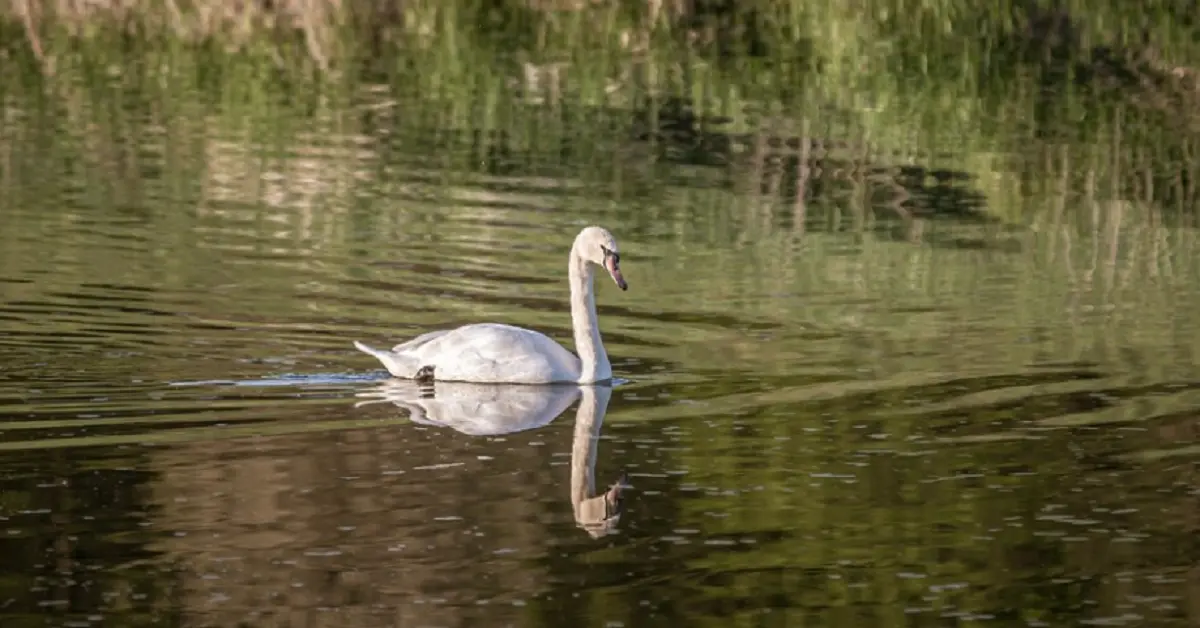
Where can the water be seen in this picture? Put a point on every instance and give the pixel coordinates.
(819, 421)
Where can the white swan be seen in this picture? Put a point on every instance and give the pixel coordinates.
(496, 353)
(494, 410)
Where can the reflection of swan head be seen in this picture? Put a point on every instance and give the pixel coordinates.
(599, 515)
(494, 409)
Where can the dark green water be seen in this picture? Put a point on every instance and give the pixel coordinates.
(823, 422)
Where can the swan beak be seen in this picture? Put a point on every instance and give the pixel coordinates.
(614, 269)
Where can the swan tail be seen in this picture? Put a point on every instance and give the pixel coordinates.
(397, 365)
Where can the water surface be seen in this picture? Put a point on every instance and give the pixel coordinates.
(819, 424)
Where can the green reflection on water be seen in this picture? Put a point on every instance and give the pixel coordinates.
(839, 413)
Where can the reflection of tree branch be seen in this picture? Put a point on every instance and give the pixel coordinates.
(1133, 255)
(176, 16)
(31, 34)
(1060, 202)
(799, 214)
(312, 40)
(1067, 261)
(1189, 195)
(1115, 214)
(1092, 204)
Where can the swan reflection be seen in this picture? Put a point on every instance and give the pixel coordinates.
(498, 409)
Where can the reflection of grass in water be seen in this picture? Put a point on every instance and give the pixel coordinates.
(1069, 282)
(789, 488)
(447, 77)
(259, 428)
(905, 83)
(1154, 455)
(907, 80)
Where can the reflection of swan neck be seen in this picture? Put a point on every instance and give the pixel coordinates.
(596, 513)
(593, 360)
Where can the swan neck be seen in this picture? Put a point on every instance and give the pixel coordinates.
(593, 360)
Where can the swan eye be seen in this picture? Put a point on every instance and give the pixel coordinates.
(615, 257)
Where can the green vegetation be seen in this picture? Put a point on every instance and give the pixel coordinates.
(1105, 91)
(166, 145)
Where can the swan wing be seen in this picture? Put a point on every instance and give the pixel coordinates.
(496, 353)
(416, 343)
(401, 365)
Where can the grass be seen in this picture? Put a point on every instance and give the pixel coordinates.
(931, 83)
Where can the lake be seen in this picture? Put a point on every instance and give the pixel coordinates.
(838, 412)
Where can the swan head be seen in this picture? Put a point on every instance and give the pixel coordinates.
(598, 246)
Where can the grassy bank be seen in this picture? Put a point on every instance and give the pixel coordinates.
(895, 84)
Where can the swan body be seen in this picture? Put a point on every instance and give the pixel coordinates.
(483, 353)
(496, 353)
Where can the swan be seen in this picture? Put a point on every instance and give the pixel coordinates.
(496, 410)
(495, 353)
